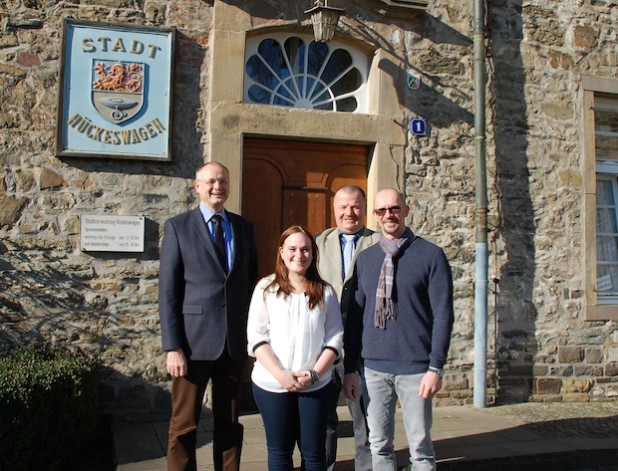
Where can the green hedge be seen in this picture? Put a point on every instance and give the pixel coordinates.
(48, 408)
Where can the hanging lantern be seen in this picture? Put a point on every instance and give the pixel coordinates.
(324, 20)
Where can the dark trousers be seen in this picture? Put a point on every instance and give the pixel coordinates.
(288, 416)
(187, 396)
(362, 453)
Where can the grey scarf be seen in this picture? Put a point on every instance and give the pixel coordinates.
(385, 307)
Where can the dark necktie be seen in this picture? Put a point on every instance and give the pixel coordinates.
(219, 239)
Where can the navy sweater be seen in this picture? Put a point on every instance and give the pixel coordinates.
(423, 293)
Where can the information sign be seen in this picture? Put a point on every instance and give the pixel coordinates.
(107, 233)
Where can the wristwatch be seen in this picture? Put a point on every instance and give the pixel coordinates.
(438, 371)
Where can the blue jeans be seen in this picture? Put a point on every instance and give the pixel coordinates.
(288, 416)
(384, 390)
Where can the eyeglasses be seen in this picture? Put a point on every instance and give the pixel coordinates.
(382, 211)
(212, 182)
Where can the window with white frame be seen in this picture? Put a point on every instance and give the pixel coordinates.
(295, 71)
(606, 157)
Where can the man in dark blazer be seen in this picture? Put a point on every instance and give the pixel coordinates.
(203, 308)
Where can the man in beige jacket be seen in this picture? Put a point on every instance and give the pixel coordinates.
(338, 248)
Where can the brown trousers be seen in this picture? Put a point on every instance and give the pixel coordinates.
(187, 396)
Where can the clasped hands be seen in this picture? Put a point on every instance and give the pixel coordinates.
(295, 381)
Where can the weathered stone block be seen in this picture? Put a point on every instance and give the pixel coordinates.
(570, 354)
(50, 179)
(576, 385)
(611, 369)
(10, 209)
(587, 370)
(548, 34)
(28, 60)
(594, 355)
(559, 60)
(438, 64)
(453, 382)
(155, 13)
(547, 385)
(585, 37)
(576, 398)
(12, 70)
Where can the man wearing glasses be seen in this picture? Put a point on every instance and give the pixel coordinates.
(208, 271)
(400, 319)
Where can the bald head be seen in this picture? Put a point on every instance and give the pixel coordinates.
(391, 212)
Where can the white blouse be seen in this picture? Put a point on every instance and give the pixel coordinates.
(296, 334)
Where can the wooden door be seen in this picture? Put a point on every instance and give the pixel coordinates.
(293, 182)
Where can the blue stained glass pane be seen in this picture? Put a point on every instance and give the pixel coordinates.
(271, 51)
(300, 73)
(324, 106)
(258, 95)
(283, 97)
(339, 61)
(347, 104)
(319, 91)
(318, 52)
(260, 73)
(348, 83)
(295, 50)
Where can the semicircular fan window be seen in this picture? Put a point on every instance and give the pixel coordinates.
(300, 73)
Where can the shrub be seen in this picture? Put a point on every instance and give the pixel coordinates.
(48, 408)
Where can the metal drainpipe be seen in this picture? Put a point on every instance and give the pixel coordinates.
(480, 220)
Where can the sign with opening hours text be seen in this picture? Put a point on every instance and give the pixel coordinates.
(107, 233)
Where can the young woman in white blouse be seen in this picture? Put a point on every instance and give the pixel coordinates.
(296, 334)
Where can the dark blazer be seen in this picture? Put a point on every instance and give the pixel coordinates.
(199, 305)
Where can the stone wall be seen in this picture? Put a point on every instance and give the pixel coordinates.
(541, 347)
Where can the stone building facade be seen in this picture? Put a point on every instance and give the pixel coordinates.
(552, 337)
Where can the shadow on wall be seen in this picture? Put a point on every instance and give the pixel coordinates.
(106, 303)
(516, 313)
(43, 300)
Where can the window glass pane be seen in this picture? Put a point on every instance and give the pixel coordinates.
(283, 97)
(270, 50)
(339, 61)
(606, 128)
(607, 280)
(295, 50)
(318, 52)
(348, 83)
(605, 194)
(347, 104)
(260, 73)
(298, 72)
(607, 249)
(606, 220)
(259, 95)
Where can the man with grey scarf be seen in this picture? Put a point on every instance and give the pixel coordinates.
(399, 320)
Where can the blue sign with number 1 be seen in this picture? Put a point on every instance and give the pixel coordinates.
(418, 126)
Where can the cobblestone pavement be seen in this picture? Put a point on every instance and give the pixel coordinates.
(528, 437)
(566, 421)
(587, 419)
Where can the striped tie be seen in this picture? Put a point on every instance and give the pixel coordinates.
(348, 252)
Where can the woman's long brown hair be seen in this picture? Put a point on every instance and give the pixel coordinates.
(315, 283)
